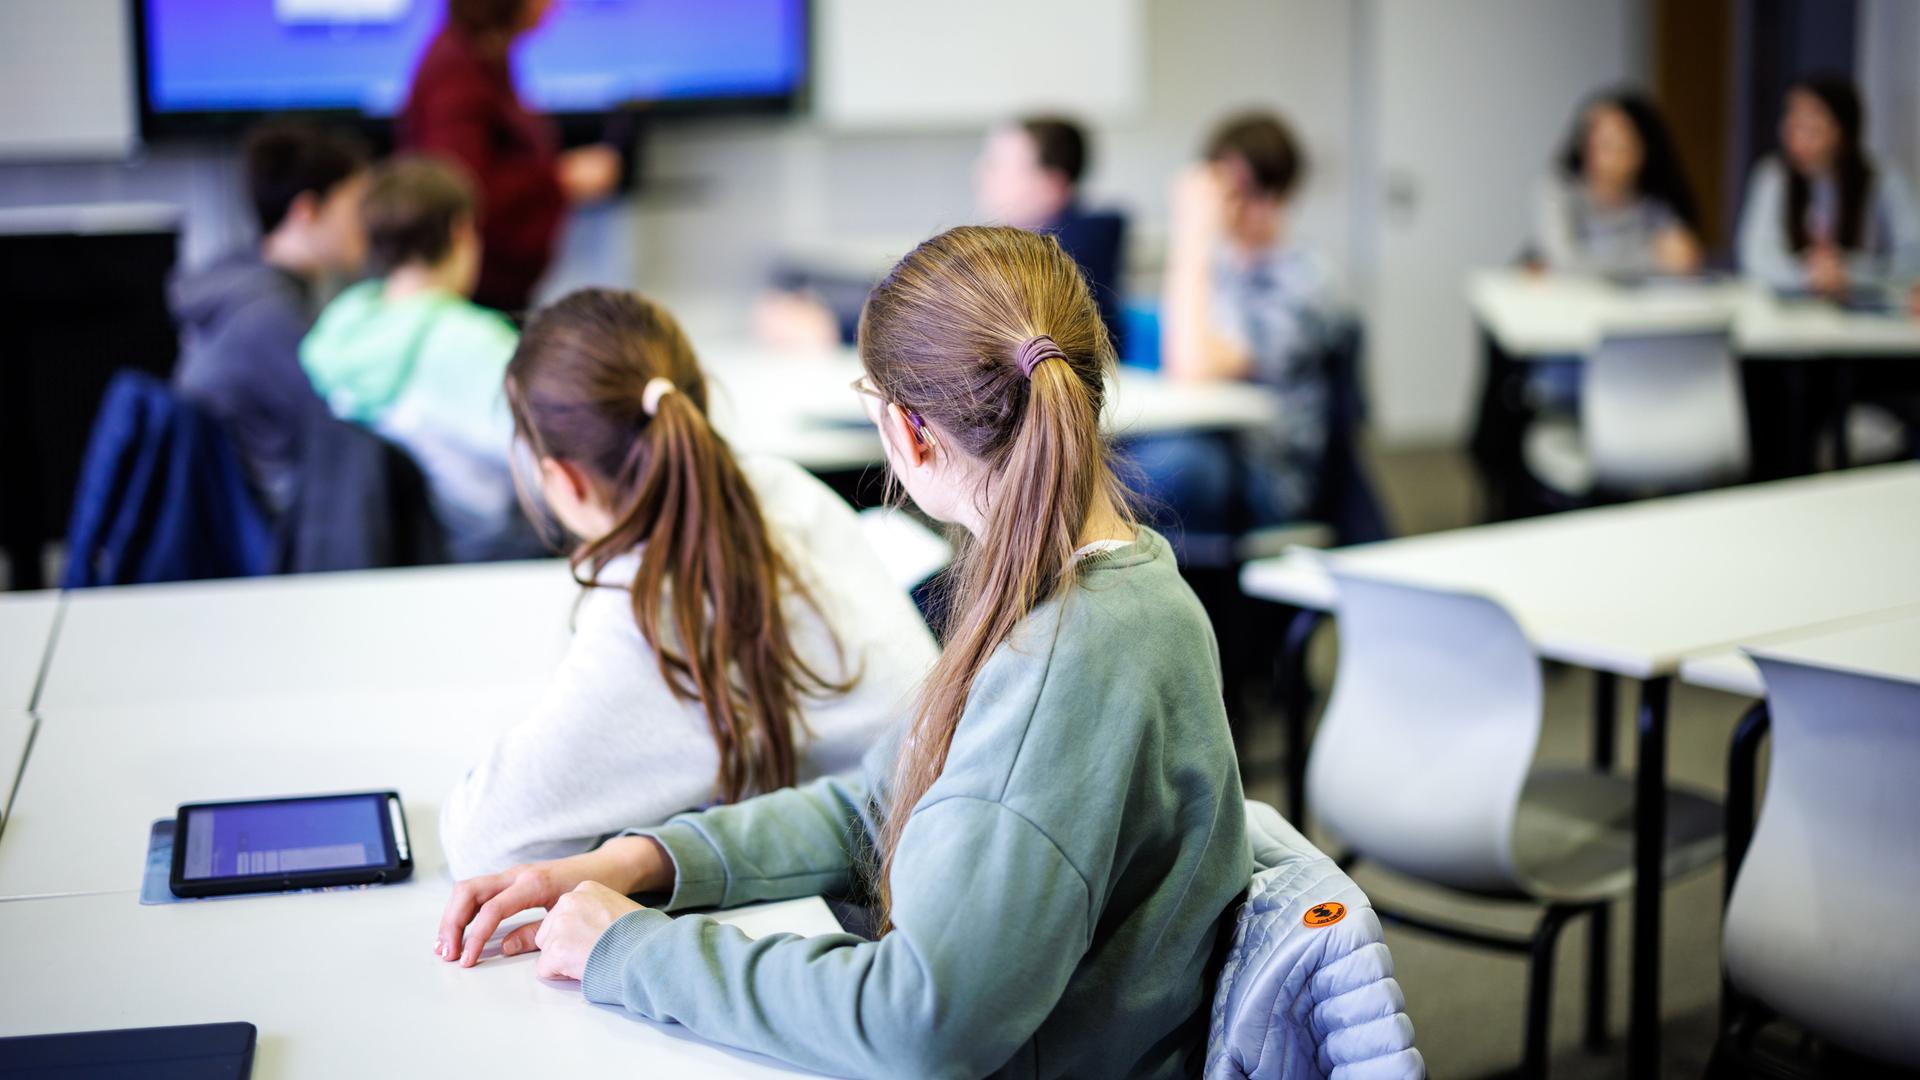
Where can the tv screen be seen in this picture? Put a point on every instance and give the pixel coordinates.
(211, 60)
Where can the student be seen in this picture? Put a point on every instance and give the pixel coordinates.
(1028, 176)
(463, 106)
(1820, 216)
(1619, 202)
(807, 650)
(243, 315)
(1243, 300)
(1055, 835)
(408, 355)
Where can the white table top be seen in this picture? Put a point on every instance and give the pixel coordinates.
(1559, 315)
(1886, 645)
(338, 984)
(26, 631)
(801, 406)
(1635, 589)
(282, 636)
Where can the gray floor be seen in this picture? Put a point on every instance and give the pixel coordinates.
(1467, 1004)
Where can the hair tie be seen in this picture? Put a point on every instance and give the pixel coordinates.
(1035, 350)
(657, 388)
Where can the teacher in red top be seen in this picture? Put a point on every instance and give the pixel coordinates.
(463, 107)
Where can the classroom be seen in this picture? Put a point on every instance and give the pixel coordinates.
(1244, 539)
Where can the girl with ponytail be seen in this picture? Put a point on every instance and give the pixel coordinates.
(737, 633)
(1053, 837)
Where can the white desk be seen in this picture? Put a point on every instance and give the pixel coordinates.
(26, 633)
(339, 984)
(800, 405)
(286, 636)
(1558, 315)
(1635, 589)
(1886, 644)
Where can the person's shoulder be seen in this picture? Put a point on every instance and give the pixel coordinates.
(1767, 174)
(462, 326)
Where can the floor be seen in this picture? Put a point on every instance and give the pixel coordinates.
(1468, 1004)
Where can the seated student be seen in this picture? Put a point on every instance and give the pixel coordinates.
(1619, 203)
(807, 651)
(1821, 216)
(408, 355)
(1028, 176)
(242, 316)
(1242, 300)
(1055, 835)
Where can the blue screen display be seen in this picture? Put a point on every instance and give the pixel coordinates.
(285, 837)
(590, 55)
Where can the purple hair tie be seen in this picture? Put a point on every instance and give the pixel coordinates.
(1036, 349)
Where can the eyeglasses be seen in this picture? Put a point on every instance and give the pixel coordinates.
(920, 433)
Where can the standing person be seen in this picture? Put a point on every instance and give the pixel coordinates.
(463, 105)
(242, 316)
(1619, 202)
(1054, 836)
(1244, 300)
(1820, 215)
(809, 653)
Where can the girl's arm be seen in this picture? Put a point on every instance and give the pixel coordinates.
(1763, 236)
(1553, 238)
(1191, 349)
(990, 922)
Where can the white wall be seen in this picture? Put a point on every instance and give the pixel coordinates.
(1888, 42)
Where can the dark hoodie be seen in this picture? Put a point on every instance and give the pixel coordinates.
(241, 322)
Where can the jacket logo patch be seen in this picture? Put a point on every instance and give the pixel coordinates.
(1325, 914)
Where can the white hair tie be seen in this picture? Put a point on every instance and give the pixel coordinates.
(657, 388)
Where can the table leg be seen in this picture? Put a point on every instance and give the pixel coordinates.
(1842, 401)
(1599, 940)
(1605, 712)
(1295, 696)
(1649, 880)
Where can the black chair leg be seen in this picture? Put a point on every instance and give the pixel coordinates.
(1599, 957)
(1540, 990)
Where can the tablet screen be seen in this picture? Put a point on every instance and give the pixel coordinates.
(284, 837)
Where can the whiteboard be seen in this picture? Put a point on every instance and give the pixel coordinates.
(66, 79)
(905, 64)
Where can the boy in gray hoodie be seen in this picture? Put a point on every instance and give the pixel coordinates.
(242, 316)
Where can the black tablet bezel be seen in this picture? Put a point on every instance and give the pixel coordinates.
(399, 852)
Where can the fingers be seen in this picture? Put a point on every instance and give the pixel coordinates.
(522, 939)
(515, 898)
(467, 896)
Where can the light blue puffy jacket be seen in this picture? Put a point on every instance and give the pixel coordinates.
(1307, 992)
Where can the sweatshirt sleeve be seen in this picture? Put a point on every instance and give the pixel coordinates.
(1553, 237)
(976, 962)
(608, 747)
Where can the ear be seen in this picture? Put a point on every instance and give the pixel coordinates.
(565, 477)
(915, 446)
(304, 210)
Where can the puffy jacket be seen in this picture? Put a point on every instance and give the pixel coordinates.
(1307, 990)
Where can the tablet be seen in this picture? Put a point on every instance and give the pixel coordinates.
(275, 845)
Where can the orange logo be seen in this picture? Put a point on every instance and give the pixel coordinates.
(1325, 914)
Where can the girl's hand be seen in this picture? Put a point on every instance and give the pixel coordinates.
(478, 906)
(573, 926)
(1676, 251)
(1826, 271)
(1200, 199)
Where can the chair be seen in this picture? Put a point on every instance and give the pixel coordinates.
(1307, 988)
(1820, 927)
(1658, 413)
(162, 495)
(1424, 763)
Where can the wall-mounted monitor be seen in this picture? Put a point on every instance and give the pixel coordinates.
(213, 64)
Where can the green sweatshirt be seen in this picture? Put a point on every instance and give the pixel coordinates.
(1056, 893)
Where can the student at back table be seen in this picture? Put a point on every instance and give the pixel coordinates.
(1821, 215)
(242, 317)
(1618, 201)
(1243, 299)
(407, 354)
(1027, 175)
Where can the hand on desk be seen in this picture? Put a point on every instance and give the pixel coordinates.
(567, 935)
(625, 864)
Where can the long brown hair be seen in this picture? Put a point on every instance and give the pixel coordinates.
(942, 335)
(1852, 172)
(710, 572)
